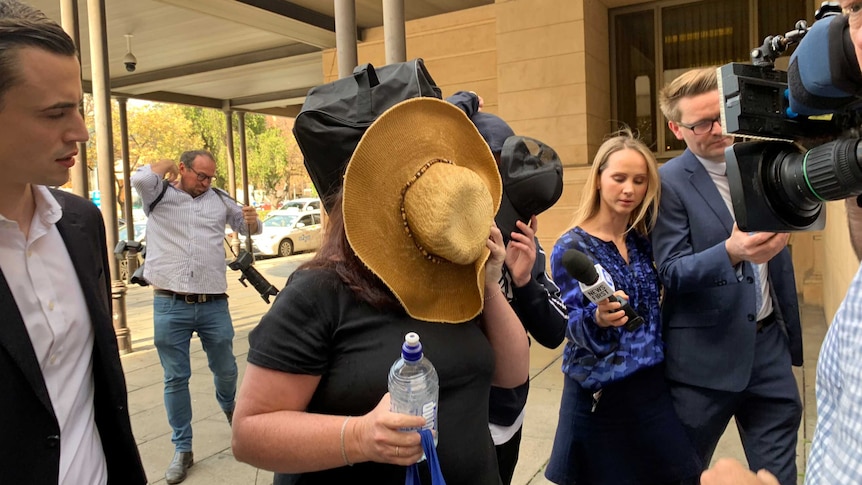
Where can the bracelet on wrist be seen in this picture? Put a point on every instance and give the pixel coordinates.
(493, 295)
(343, 450)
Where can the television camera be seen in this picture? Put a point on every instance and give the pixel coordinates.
(809, 118)
(244, 262)
(125, 249)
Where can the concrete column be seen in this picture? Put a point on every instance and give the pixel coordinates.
(243, 164)
(231, 167)
(394, 38)
(105, 151)
(345, 36)
(127, 186)
(69, 20)
(131, 256)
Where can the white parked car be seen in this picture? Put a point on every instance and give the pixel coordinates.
(140, 230)
(289, 231)
(301, 205)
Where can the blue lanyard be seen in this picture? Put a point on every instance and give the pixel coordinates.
(433, 462)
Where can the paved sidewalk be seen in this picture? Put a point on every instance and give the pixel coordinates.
(214, 463)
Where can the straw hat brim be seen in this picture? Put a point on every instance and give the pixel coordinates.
(392, 150)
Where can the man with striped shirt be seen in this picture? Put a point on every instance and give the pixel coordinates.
(186, 267)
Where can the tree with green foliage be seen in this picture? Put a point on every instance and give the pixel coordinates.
(158, 130)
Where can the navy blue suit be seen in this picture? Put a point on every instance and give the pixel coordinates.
(30, 438)
(718, 363)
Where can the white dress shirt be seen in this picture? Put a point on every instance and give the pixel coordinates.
(49, 297)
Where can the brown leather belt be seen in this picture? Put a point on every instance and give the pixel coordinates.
(761, 324)
(192, 298)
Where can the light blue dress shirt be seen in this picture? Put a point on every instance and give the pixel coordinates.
(836, 452)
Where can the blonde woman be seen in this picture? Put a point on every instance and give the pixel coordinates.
(617, 423)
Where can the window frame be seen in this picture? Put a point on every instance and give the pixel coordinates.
(656, 9)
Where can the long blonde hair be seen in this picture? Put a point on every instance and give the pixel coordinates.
(643, 216)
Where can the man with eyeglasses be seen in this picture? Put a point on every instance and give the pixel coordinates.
(731, 316)
(836, 450)
(186, 267)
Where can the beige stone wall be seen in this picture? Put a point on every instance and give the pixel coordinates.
(836, 259)
(459, 49)
(554, 84)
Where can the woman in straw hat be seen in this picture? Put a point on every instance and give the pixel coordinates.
(410, 246)
(617, 424)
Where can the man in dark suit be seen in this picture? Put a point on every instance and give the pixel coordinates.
(730, 312)
(63, 408)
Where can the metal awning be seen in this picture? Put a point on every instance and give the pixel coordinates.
(247, 55)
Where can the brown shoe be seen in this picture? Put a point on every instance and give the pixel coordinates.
(178, 469)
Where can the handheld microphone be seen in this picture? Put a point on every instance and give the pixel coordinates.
(596, 284)
(824, 76)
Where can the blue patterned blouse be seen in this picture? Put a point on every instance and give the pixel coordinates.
(596, 356)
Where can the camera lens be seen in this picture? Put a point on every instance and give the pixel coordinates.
(778, 188)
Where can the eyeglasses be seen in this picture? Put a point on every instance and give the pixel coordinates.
(701, 127)
(202, 177)
(853, 12)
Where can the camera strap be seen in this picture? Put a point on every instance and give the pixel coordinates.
(166, 183)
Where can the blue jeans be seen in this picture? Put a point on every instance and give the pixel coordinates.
(174, 321)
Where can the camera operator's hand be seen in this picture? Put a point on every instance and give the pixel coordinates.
(727, 471)
(166, 168)
(854, 221)
(758, 247)
(479, 99)
(250, 215)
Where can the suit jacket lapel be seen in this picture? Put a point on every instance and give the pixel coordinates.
(703, 184)
(15, 339)
(13, 333)
(81, 250)
(69, 225)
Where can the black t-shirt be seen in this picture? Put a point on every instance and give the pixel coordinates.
(317, 326)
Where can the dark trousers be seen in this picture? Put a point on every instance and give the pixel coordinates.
(767, 412)
(507, 457)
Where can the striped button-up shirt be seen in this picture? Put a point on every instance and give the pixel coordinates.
(836, 452)
(185, 249)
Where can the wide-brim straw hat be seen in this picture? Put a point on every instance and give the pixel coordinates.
(420, 194)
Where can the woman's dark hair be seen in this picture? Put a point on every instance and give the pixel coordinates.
(336, 254)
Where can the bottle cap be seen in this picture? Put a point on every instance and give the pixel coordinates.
(411, 350)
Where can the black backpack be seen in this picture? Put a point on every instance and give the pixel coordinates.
(335, 116)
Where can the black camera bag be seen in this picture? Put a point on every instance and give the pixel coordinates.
(335, 115)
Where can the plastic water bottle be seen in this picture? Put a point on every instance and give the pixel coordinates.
(414, 387)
